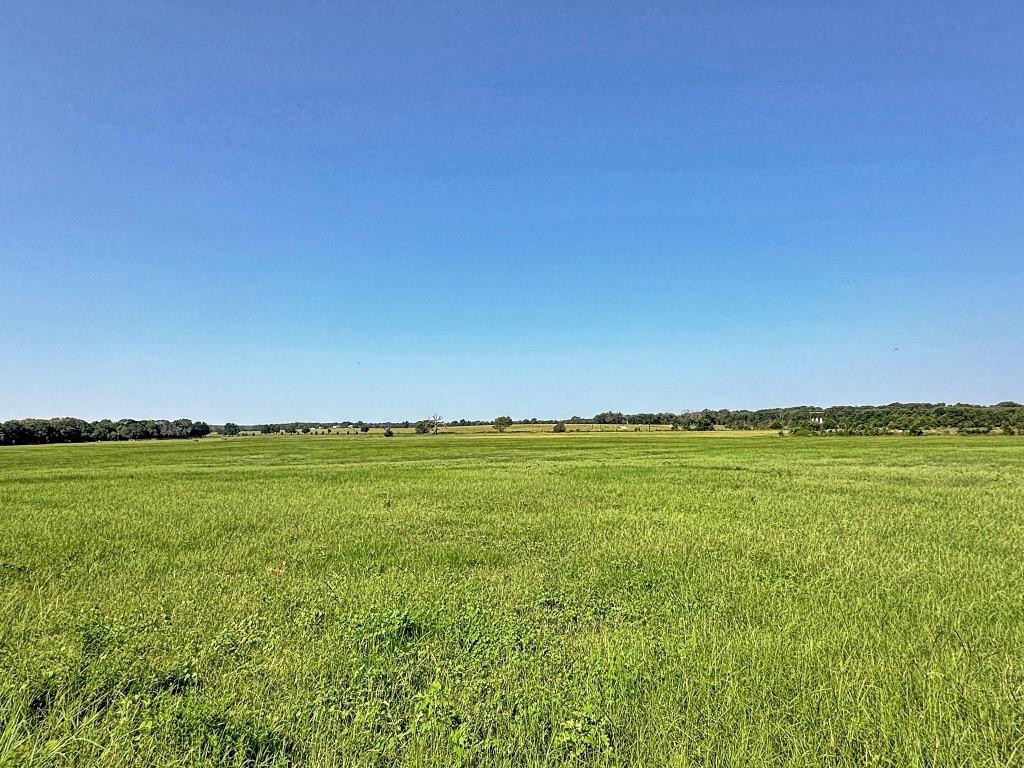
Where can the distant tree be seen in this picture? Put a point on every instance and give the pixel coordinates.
(68, 430)
(435, 423)
(703, 423)
(502, 423)
(388, 432)
(129, 429)
(177, 428)
(230, 429)
(364, 428)
(422, 427)
(559, 427)
(104, 429)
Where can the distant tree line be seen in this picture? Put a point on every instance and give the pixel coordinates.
(304, 427)
(293, 427)
(71, 430)
(912, 418)
(909, 418)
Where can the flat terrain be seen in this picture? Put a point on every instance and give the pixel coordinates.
(590, 598)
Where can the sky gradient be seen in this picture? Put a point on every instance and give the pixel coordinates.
(277, 211)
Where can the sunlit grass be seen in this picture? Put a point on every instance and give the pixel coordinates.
(639, 599)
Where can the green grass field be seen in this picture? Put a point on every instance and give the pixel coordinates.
(635, 599)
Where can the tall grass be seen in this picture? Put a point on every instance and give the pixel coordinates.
(585, 599)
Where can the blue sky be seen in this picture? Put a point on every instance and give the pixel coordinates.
(269, 211)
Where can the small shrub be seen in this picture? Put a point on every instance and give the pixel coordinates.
(502, 423)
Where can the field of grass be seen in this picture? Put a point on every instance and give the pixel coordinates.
(635, 599)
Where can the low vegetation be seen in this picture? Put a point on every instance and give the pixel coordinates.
(906, 418)
(663, 598)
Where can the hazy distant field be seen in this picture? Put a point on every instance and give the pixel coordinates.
(487, 429)
(613, 599)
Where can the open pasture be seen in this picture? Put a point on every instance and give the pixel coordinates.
(581, 599)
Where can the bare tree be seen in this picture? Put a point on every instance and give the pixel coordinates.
(435, 422)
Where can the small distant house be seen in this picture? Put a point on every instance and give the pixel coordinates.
(817, 417)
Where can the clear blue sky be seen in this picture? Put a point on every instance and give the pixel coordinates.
(268, 211)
